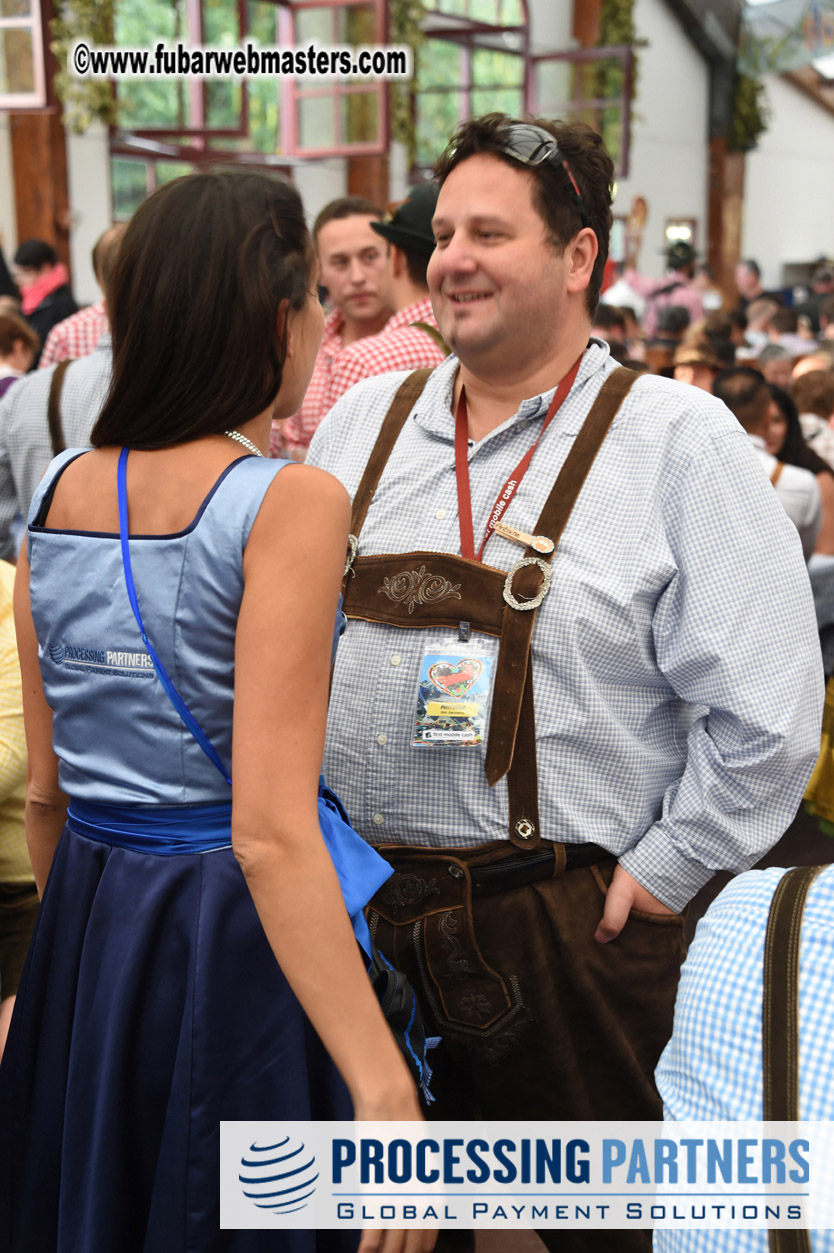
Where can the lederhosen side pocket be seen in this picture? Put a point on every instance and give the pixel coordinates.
(429, 901)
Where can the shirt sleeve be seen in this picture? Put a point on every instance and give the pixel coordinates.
(54, 349)
(8, 492)
(735, 636)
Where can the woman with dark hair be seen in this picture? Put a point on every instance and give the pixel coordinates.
(786, 442)
(193, 958)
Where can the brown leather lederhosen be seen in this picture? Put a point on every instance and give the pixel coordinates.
(430, 589)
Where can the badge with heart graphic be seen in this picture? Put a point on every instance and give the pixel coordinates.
(456, 678)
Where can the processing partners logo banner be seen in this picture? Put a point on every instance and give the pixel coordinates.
(518, 1176)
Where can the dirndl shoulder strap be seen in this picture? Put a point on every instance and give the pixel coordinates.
(780, 1020)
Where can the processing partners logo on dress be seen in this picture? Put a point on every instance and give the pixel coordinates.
(102, 661)
(526, 1175)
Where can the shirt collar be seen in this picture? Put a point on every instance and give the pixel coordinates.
(433, 410)
(332, 337)
(420, 311)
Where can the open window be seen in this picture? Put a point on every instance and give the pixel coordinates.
(329, 116)
(22, 78)
(592, 85)
(474, 60)
(169, 126)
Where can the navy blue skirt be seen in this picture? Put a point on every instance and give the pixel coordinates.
(150, 1009)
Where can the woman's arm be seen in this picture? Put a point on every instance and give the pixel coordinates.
(292, 570)
(46, 804)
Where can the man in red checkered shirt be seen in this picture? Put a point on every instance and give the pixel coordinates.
(352, 261)
(410, 338)
(78, 335)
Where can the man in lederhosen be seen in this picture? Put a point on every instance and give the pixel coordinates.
(557, 711)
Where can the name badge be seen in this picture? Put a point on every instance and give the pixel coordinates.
(454, 694)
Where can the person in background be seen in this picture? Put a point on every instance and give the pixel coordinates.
(812, 402)
(351, 267)
(827, 319)
(822, 287)
(703, 280)
(43, 281)
(78, 335)
(775, 364)
(609, 324)
(696, 363)
(18, 893)
(746, 394)
(760, 314)
(27, 441)
(712, 1068)
(410, 338)
(785, 442)
(748, 278)
(820, 358)
(786, 329)
(19, 346)
(8, 287)
(675, 289)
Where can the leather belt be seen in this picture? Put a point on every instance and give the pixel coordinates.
(505, 876)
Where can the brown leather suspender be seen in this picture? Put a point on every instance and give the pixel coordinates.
(780, 1020)
(53, 408)
(430, 589)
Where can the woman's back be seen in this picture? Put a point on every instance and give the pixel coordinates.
(118, 737)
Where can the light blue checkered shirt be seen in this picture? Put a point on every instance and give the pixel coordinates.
(678, 686)
(712, 1068)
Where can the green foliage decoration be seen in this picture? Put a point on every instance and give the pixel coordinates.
(85, 100)
(405, 19)
(751, 114)
(616, 29)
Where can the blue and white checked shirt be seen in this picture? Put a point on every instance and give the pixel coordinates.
(711, 1070)
(25, 446)
(676, 665)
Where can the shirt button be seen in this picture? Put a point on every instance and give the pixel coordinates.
(441, 513)
(378, 819)
(382, 739)
(396, 659)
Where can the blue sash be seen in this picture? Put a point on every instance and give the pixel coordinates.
(168, 831)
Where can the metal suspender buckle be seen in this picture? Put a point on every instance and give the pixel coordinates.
(353, 549)
(534, 601)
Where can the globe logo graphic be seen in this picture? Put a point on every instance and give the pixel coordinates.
(56, 652)
(278, 1177)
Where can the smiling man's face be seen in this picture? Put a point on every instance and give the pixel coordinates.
(497, 284)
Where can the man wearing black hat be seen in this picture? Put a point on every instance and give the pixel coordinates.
(675, 289)
(410, 338)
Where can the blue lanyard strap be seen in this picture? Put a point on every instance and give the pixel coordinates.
(161, 673)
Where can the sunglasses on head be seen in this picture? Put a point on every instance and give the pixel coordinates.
(532, 146)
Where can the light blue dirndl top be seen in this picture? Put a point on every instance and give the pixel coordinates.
(136, 775)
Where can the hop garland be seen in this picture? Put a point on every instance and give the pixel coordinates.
(85, 100)
(751, 114)
(406, 16)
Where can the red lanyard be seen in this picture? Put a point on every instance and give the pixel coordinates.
(467, 540)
